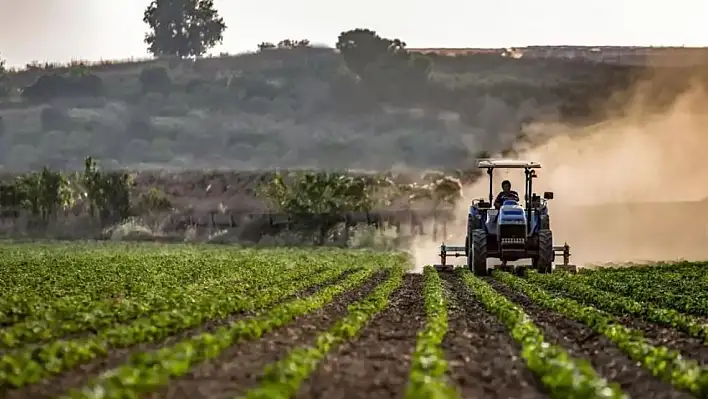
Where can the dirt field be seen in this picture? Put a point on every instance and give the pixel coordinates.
(209, 322)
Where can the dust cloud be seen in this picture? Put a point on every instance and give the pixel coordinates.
(629, 189)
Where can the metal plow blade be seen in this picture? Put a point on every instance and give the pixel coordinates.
(564, 251)
(448, 251)
(444, 268)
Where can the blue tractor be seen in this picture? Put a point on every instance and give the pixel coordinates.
(511, 231)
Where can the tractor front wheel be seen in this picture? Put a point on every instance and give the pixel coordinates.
(543, 263)
(477, 252)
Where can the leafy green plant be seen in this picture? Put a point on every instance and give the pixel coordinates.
(662, 362)
(282, 379)
(684, 287)
(145, 372)
(564, 376)
(428, 378)
(621, 305)
(30, 364)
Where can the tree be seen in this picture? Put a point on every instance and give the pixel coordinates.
(290, 44)
(108, 193)
(317, 200)
(182, 28)
(380, 61)
(4, 86)
(266, 46)
(363, 47)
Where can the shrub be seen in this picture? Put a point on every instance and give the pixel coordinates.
(155, 80)
(53, 118)
(4, 85)
(53, 86)
(153, 201)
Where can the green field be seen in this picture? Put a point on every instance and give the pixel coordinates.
(173, 321)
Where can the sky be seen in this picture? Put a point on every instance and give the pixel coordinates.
(64, 30)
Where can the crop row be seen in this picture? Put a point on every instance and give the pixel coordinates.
(683, 288)
(621, 305)
(58, 285)
(283, 378)
(428, 378)
(147, 371)
(104, 314)
(564, 376)
(31, 364)
(662, 362)
(249, 294)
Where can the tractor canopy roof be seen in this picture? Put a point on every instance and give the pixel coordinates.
(507, 164)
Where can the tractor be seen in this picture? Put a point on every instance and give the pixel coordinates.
(510, 232)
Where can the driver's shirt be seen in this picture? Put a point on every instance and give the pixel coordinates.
(511, 195)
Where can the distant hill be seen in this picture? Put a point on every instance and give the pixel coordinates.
(301, 108)
(664, 56)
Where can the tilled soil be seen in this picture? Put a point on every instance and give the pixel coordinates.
(377, 364)
(483, 360)
(241, 366)
(79, 376)
(582, 342)
(690, 347)
(658, 335)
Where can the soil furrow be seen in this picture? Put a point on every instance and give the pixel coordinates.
(582, 342)
(661, 335)
(377, 364)
(79, 376)
(483, 359)
(657, 335)
(239, 367)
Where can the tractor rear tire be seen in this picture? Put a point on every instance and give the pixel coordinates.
(477, 253)
(544, 261)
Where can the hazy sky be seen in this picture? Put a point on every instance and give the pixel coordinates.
(61, 30)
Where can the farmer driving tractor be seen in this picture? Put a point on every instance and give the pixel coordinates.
(506, 194)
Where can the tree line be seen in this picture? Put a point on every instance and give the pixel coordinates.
(186, 28)
(308, 198)
(46, 194)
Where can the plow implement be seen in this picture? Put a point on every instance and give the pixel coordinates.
(450, 251)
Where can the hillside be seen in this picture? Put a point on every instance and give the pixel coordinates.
(295, 108)
(216, 127)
